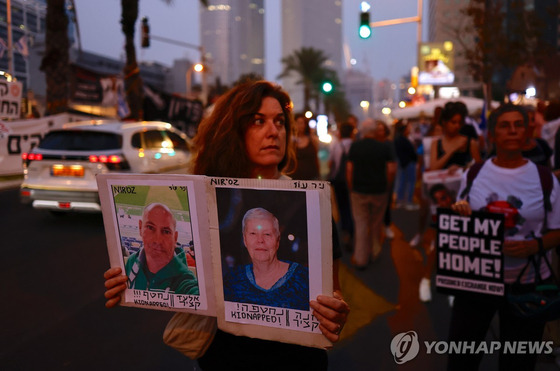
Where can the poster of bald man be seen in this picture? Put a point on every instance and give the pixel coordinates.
(159, 243)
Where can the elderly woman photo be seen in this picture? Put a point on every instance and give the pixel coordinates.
(267, 280)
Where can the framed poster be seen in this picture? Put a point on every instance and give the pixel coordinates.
(251, 252)
(154, 234)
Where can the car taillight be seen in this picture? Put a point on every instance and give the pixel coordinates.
(112, 159)
(31, 156)
(113, 162)
(28, 157)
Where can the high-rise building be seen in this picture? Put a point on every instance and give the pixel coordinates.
(311, 23)
(28, 22)
(232, 33)
(358, 87)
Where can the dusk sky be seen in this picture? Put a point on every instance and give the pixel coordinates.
(389, 53)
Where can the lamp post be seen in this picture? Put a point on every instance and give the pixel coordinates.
(197, 68)
(365, 107)
(204, 65)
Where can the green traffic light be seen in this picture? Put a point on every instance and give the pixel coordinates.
(327, 87)
(365, 32)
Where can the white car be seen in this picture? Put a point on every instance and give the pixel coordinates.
(59, 174)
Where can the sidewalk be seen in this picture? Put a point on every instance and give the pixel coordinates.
(10, 181)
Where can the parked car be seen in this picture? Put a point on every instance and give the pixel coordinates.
(59, 174)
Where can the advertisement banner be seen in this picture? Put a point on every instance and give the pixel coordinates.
(436, 64)
(10, 99)
(17, 137)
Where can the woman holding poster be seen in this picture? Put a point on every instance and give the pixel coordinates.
(248, 135)
(510, 184)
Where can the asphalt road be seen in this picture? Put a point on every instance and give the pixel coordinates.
(53, 316)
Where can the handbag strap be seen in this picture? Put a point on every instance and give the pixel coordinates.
(535, 260)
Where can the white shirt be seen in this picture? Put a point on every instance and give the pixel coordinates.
(518, 191)
(336, 153)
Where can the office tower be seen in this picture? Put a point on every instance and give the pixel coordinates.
(311, 23)
(232, 33)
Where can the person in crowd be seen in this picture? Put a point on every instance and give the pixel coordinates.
(385, 136)
(440, 197)
(453, 150)
(267, 280)
(160, 265)
(551, 117)
(535, 149)
(249, 135)
(433, 134)
(470, 127)
(307, 151)
(338, 158)
(370, 171)
(352, 120)
(509, 179)
(407, 161)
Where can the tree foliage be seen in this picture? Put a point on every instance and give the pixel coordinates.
(308, 64)
(496, 37)
(55, 62)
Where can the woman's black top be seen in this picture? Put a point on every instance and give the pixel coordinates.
(458, 158)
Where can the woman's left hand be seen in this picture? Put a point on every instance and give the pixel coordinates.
(520, 249)
(332, 313)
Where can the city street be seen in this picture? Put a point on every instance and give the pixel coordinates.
(54, 316)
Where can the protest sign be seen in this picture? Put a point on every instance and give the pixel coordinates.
(220, 229)
(10, 99)
(469, 252)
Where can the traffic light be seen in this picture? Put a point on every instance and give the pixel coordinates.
(327, 87)
(365, 30)
(145, 28)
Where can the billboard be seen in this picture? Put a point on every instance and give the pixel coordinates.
(435, 61)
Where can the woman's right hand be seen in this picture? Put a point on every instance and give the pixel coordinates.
(115, 284)
(459, 145)
(462, 207)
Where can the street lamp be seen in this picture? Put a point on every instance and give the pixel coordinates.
(365, 106)
(199, 67)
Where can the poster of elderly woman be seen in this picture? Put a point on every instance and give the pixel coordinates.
(270, 249)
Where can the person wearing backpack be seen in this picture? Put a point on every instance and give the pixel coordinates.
(337, 176)
(528, 197)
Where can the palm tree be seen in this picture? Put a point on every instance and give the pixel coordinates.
(131, 71)
(55, 63)
(308, 63)
(132, 79)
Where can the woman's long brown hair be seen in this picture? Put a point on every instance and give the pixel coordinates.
(220, 141)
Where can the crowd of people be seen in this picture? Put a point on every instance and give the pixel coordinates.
(517, 142)
(373, 168)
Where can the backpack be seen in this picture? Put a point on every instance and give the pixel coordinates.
(340, 176)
